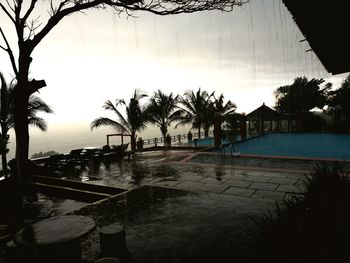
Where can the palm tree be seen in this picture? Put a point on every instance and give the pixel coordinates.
(194, 109)
(135, 117)
(163, 111)
(35, 106)
(222, 112)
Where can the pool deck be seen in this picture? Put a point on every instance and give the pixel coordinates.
(244, 181)
(206, 222)
(254, 182)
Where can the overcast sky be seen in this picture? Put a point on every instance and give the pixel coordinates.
(89, 58)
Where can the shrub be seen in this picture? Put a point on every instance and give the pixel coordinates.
(311, 227)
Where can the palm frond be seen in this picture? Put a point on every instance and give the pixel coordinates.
(38, 122)
(109, 123)
(36, 104)
(138, 95)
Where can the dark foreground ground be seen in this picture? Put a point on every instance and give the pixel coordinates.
(170, 225)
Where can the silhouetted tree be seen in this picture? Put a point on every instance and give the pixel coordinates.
(163, 111)
(30, 31)
(300, 97)
(222, 112)
(35, 106)
(136, 119)
(233, 122)
(339, 105)
(194, 109)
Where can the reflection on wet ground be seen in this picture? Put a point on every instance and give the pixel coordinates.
(143, 168)
(170, 225)
(245, 177)
(37, 206)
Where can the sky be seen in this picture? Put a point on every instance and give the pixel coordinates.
(98, 55)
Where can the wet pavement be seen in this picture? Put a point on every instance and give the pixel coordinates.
(171, 225)
(182, 210)
(184, 206)
(201, 172)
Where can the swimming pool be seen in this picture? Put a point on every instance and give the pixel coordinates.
(300, 145)
(209, 141)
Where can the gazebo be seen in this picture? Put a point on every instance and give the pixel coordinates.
(262, 120)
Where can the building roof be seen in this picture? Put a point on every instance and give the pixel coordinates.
(325, 25)
(263, 112)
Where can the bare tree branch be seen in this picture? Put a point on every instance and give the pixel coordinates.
(18, 9)
(7, 12)
(13, 10)
(9, 51)
(159, 7)
(29, 11)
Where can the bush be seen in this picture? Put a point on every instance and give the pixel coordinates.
(311, 227)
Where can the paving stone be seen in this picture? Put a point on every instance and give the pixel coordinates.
(244, 172)
(244, 192)
(214, 188)
(263, 186)
(191, 177)
(296, 175)
(238, 183)
(257, 178)
(278, 196)
(278, 175)
(288, 181)
(211, 180)
(288, 189)
(236, 177)
(234, 172)
(258, 173)
(166, 183)
(188, 185)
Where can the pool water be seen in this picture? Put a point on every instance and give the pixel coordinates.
(307, 145)
(207, 141)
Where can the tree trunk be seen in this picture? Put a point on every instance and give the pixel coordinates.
(21, 130)
(3, 155)
(133, 142)
(206, 132)
(199, 132)
(243, 127)
(164, 139)
(217, 133)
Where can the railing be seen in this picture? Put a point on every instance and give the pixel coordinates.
(180, 138)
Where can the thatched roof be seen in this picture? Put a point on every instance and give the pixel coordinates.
(263, 112)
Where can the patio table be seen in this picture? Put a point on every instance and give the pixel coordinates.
(56, 239)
